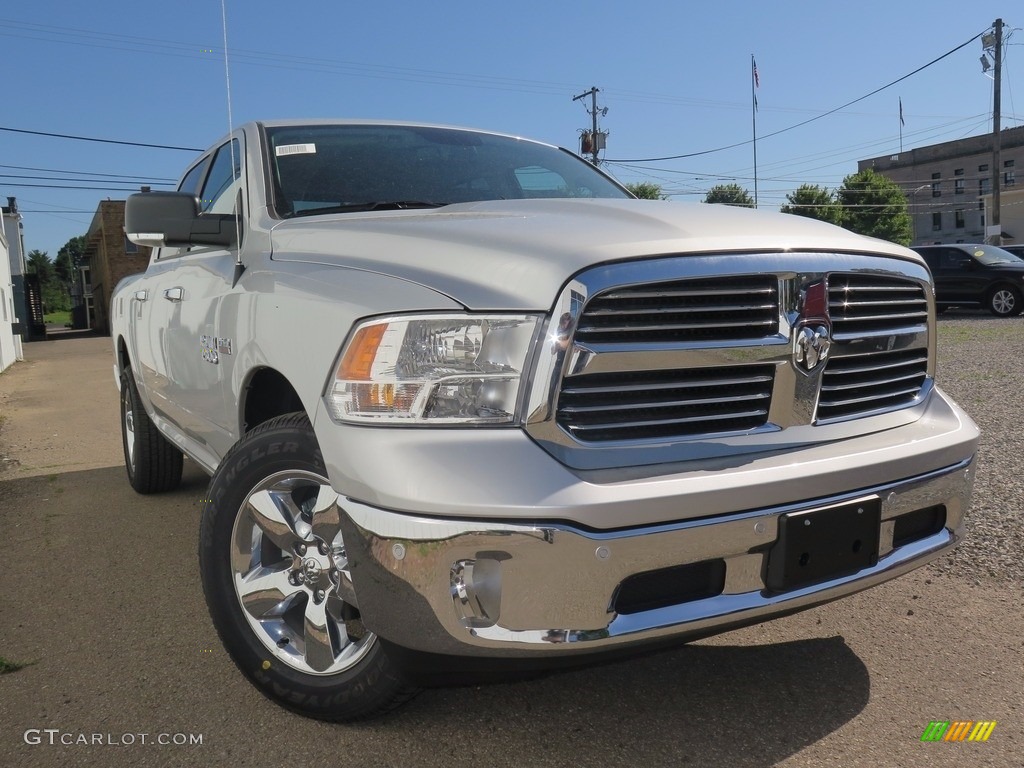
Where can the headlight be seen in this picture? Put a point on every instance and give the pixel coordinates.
(463, 369)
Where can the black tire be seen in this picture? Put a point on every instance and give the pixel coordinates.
(153, 463)
(1005, 301)
(298, 639)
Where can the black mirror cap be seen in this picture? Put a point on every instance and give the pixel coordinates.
(159, 219)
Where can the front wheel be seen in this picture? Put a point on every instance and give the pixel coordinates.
(1005, 301)
(277, 582)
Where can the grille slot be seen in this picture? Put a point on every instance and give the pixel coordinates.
(873, 304)
(859, 384)
(669, 586)
(702, 310)
(632, 405)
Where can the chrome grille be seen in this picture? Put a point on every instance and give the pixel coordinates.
(703, 310)
(874, 304)
(663, 404)
(855, 385)
(677, 358)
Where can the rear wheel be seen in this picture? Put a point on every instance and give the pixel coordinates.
(153, 463)
(1005, 301)
(276, 576)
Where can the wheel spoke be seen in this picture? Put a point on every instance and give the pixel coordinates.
(327, 516)
(277, 516)
(319, 650)
(265, 590)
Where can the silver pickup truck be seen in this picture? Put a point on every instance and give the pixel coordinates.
(463, 397)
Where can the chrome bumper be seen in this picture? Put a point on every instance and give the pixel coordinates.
(484, 588)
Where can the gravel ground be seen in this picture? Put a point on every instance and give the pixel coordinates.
(981, 365)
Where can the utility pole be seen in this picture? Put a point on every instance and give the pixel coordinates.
(994, 225)
(595, 143)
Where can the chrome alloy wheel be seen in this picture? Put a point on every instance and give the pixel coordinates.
(129, 428)
(291, 574)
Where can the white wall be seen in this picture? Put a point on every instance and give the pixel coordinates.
(10, 345)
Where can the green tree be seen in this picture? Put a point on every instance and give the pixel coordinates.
(69, 259)
(874, 205)
(814, 202)
(646, 190)
(730, 194)
(39, 264)
(52, 291)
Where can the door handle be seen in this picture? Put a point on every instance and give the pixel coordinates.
(174, 294)
(141, 295)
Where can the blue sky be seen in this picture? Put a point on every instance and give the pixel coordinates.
(675, 77)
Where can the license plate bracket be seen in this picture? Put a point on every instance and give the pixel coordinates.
(826, 543)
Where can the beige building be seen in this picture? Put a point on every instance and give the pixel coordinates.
(1011, 213)
(109, 256)
(946, 184)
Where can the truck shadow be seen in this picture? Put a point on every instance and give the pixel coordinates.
(741, 706)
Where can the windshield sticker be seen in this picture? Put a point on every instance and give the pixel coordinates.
(295, 149)
(979, 253)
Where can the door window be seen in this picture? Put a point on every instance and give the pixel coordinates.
(223, 181)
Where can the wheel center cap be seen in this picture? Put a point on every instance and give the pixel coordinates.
(311, 569)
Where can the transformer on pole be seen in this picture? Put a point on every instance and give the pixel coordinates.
(592, 141)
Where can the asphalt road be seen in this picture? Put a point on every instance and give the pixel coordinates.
(100, 601)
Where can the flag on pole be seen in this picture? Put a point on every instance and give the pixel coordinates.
(901, 112)
(757, 80)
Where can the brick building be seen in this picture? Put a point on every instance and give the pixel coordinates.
(108, 257)
(946, 184)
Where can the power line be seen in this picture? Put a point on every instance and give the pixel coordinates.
(80, 180)
(805, 122)
(101, 141)
(124, 176)
(65, 186)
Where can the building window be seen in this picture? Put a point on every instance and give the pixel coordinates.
(983, 186)
(130, 247)
(1009, 179)
(936, 221)
(936, 187)
(983, 168)
(3, 304)
(959, 215)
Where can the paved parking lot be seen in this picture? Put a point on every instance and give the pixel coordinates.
(101, 603)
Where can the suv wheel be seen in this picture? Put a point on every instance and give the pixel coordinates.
(277, 581)
(1005, 301)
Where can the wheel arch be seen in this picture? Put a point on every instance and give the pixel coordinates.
(123, 358)
(267, 394)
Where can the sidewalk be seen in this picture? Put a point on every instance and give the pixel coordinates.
(39, 433)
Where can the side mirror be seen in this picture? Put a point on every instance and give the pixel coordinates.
(158, 219)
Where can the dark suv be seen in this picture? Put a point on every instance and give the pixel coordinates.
(968, 275)
(1016, 250)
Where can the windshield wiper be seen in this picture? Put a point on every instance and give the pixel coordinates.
(380, 205)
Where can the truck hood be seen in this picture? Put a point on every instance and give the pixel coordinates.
(517, 254)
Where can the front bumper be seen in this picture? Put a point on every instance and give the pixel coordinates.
(512, 589)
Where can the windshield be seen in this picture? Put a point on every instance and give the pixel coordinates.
(331, 168)
(989, 254)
